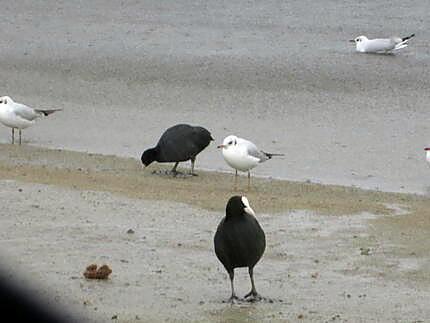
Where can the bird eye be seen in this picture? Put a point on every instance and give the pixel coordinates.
(235, 142)
(230, 142)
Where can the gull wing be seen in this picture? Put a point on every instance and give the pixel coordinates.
(380, 45)
(401, 42)
(253, 151)
(25, 112)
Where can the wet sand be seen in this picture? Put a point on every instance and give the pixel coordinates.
(334, 253)
(277, 73)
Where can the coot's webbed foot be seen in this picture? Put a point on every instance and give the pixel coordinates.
(253, 296)
(175, 173)
(233, 299)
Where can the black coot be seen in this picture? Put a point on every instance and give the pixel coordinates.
(239, 241)
(179, 143)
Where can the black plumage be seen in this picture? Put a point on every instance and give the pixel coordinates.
(239, 241)
(179, 143)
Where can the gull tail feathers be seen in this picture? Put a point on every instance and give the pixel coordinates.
(407, 37)
(47, 112)
(400, 46)
(404, 42)
(270, 155)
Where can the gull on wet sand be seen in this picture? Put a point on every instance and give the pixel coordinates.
(243, 155)
(179, 143)
(19, 116)
(380, 45)
(240, 242)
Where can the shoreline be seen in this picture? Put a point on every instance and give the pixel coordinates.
(75, 194)
(124, 176)
(68, 209)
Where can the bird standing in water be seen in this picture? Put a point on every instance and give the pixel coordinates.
(380, 45)
(427, 150)
(19, 116)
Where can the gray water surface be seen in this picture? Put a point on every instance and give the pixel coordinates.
(281, 74)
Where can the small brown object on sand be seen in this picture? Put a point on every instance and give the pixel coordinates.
(93, 273)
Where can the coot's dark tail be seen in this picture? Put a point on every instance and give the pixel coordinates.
(408, 37)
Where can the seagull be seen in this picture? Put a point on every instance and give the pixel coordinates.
(179, 143)
(380, 45)
(19, 116)
(243, 155)
(240, 241)
(427, 150)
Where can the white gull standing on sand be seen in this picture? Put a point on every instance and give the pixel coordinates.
(380, 45)
(243, 155)
(19, 116)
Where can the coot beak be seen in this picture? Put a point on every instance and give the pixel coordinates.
(249, 210)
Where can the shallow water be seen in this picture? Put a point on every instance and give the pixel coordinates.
(279, 74)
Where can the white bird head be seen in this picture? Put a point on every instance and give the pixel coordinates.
(359, 39)
(5, 100)
(228, 141)
(359, 42)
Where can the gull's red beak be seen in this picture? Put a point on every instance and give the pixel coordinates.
(428, 148)
(220, 146)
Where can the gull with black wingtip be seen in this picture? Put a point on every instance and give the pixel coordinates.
(380, 45)
(19, 116)
(243, 155)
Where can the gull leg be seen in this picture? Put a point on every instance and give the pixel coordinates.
(13, 136)
(20, 136)
(235, 180)
(249, 180)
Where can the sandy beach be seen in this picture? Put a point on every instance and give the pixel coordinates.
(334, 253)
(345, 211)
